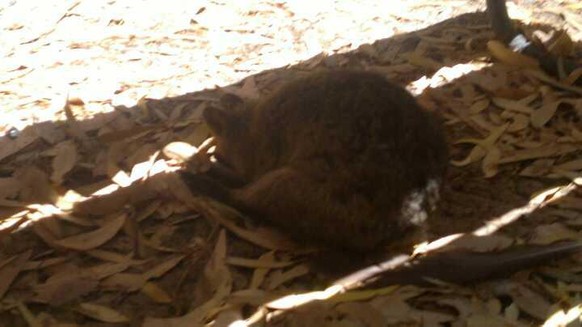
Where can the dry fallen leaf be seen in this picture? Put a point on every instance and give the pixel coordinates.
(260, 273)
(127, 282)
(51, 133)
(254, 297)
(267, 238)
(547, 234)
(529, 301)
(363, 312)
(213, 289)
(511, 312)
(542, 115)
(180, 151)
(266, 260)
(420, 60)
(363, 295)
(157, 294)
(565, 318)
(10, 146)
(10, 268)
(279, 279)
(395, 309)
(95, 238)
(490, 164)
(162, 268)
(111, 199)
(104, 270)
(542, 76)
(487, 243)
(296, 300)
(561, 44)
(67, 201)
(476, 154)
(479, 106)
(485, 149)
(232, 316)
(73, 124)
(42, 264)
(28, 316)
(317, 314)
(101, 313)
(460, 304)
(575, 164)
(540, 167)
(519, 122)
(488, 320)
(121, 178)
(9, 187)
(247, 91)
(216, 273)
(550, 150)
(64, 160)
(513, 105)
(35, 185)
(573, 77)
(71, 279)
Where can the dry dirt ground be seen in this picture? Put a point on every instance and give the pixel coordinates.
(138, 74)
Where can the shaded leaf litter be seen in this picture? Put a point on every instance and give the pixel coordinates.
(82, 128)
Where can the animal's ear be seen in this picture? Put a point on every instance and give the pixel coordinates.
(218, 120)
(232, 102)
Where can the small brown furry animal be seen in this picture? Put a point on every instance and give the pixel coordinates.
(344, 159)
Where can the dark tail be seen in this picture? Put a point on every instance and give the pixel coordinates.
(462, 267)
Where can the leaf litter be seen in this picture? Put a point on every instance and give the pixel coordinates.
(139, 249)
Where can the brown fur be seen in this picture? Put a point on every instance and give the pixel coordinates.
(340, 158)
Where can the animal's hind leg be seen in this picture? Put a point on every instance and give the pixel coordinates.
(306, 210)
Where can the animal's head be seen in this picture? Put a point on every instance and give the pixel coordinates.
(230, 129)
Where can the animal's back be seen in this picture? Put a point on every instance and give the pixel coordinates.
(349, 118)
